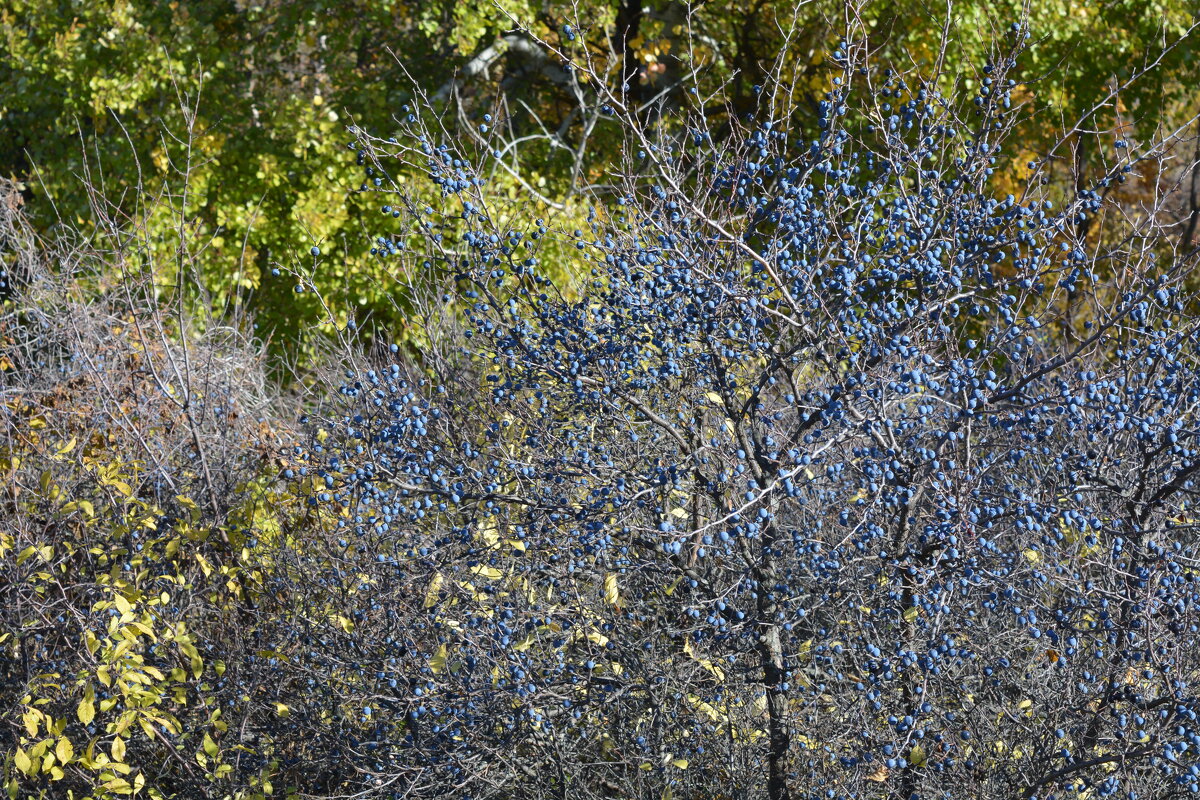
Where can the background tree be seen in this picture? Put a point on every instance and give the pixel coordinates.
(250, 98)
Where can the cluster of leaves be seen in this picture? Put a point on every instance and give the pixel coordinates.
(141, 522)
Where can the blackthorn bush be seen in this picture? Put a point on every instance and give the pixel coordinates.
(839, 474)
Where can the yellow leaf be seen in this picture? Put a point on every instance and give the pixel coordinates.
(438, 662)
(435, 586)
(1031, 555)
(282, 710)
(489, 532)
(717, 672)
(713, 398)
(681, 763)
(917, 756)
(196, 662)
(66, 447)
(87, 710)
(146, 727)
(612, 594)
(23, 762)
(910, 614)
(63, 750)
(119, 786)
(210, 747)
(707, 708)
(487, 572)
(118, 749)
(80, 505)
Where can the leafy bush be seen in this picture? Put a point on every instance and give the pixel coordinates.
(140, 525)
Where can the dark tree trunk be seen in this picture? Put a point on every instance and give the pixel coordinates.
(627, 28)
(774, 672)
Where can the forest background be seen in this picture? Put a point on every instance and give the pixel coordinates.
(252, 101)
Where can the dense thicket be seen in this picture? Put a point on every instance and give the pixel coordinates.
(835, 460)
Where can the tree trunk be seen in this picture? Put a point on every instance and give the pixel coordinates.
(774, 673)
(627, 28)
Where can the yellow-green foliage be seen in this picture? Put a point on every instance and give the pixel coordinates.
(251, 101)
(140, 519)
(245, 104)
(119, 621)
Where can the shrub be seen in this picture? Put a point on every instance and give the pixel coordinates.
(140, 525)
(843, 476)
